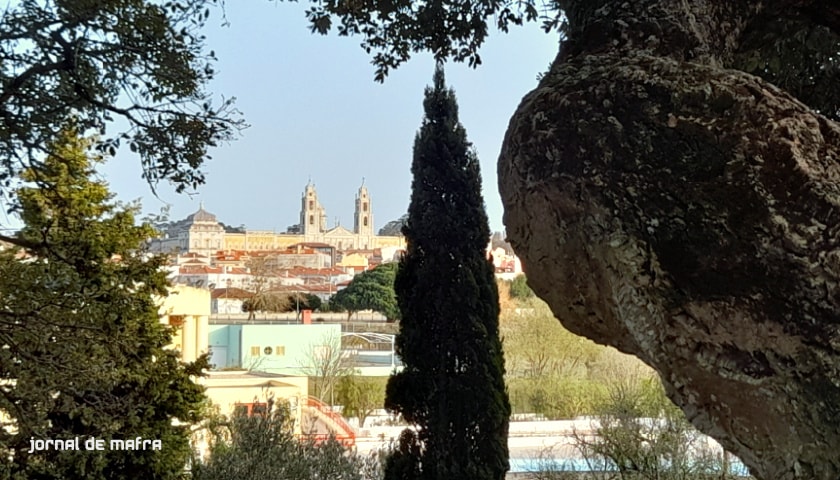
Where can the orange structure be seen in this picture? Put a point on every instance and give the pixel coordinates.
(333, 421)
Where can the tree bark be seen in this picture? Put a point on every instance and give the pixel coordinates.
(689, 214)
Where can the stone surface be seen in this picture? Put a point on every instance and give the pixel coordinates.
(689, 214)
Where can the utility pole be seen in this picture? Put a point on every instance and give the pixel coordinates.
(297, 306)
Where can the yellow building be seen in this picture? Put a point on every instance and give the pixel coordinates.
(356, 261)
(187, 309)
(249, 390)
(202, 233)
(313, 229)
(260, 240)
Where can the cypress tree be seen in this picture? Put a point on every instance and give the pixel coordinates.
(452, 387)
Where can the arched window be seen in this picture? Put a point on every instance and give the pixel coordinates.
(311, 205)
(364, 207)
(312, 219)
(365, 221)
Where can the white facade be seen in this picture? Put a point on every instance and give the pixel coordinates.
(313, 219)
(198, 233)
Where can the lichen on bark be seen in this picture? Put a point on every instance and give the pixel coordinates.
(688, 212)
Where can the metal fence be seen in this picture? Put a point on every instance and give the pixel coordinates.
(294, 317)
(363, 324)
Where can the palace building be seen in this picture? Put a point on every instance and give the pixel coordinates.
(201, 232)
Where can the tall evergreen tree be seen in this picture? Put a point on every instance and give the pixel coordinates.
(84, 353)
(452, 387)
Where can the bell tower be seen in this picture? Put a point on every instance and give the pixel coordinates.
(313, 217)
(363, 219)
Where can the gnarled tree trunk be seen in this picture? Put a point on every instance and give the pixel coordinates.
(689, 213)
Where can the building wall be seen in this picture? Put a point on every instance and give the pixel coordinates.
(224, 340)
(206, 239)
(260, 240)
(308, 260)
(227, 389)
(219, 280)
(385, 241)
(277, 241)
(354, 260)
(227, 305)
(291, 345)
(187, 309)
(201, 232)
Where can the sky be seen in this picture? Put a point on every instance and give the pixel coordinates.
(316, 113)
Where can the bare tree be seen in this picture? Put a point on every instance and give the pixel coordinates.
(262, 298)
(325, 363)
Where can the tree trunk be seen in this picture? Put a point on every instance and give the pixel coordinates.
(689, 214)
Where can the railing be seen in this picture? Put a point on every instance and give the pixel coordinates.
(347, 437)
(366, 316)
(283, 319)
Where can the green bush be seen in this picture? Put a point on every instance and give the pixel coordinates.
(519, 288)
(262, 446)
(361, 396)
(556, 398)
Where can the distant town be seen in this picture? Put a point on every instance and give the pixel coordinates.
(308, 258)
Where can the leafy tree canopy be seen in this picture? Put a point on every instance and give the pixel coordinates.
(370, 290)
(85, 353)
(138, 61)
(360, 396)
(792, 44)
(268, 302)
(271, 301)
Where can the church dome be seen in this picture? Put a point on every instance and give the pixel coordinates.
(202, 215)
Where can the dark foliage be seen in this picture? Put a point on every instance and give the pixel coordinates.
(264, 446)
(370, 290)
(85, 353)
(96, 61)
(452, 386)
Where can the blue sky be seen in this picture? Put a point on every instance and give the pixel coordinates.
(315, 112)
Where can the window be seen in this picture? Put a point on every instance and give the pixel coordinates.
(365, 222)
(312, 219)
(280, 350)
(311, 205)
(364, 207)
(267, 350)
(250, 409)
(255, 351)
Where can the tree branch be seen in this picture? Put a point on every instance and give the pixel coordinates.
(20, 242)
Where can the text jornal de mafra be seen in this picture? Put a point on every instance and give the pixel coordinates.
(93, 443)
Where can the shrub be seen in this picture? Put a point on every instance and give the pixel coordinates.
(519, 288)
(642, 435)
(262, 446)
